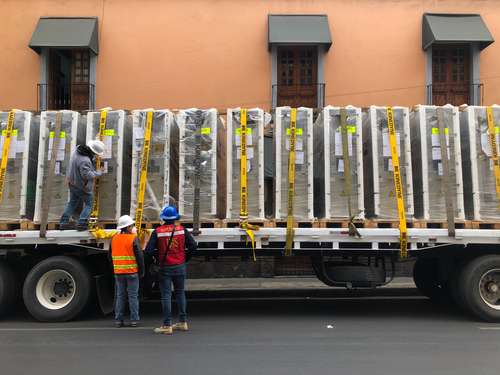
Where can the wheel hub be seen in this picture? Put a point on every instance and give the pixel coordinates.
(55, 289)
(489, 288)
(62, 287)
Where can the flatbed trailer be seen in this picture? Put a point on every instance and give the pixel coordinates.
(60, 274)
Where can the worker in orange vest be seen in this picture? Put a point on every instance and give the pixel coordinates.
(169, 243)
(128, 266)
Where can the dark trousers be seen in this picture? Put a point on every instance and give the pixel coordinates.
(77, 196)
(175, 275)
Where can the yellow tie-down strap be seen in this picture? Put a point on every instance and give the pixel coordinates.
(6, 150)
(248, 228)
(94, 215)
(398, 184)
(494, 150)
(290, 232)
(144, 173)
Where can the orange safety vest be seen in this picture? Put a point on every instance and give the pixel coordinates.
(122, 253)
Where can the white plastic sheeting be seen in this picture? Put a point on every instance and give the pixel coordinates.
(159, 182)
(303, 198)
(72, 133)
(429, 187)
(380, 197)
(481, 201)
(331, 197)
(188, 121)
(255, 163)
(19, 183)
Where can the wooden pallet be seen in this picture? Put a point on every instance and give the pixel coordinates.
(472, 224)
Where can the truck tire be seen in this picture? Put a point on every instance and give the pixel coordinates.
(8, 288)
(479, 287)
(426, 278)
(57, 289)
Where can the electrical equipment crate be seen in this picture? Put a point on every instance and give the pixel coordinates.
(160, 161)
(19, 181)
(255, 163)
(429, 175)
(114, 184)
(303, 207)
(380, 196)
(189, 121)
(331, 184)
(71, 134)
(480, 188)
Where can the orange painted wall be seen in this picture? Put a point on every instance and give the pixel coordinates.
(184, 53)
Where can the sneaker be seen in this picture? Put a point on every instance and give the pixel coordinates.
(67, 226)
(165, 330)
(134, 323)
(82, 227)
(181, 326)
(119, 323)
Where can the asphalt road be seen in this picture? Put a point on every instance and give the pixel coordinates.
(396, 333)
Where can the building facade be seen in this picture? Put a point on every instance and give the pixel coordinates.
(129, 54)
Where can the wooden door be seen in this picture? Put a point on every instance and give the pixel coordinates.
(80, 73)
(297, 77)
(451, 75)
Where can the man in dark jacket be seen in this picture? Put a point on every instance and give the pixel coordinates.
(169, 243)
(81, 174)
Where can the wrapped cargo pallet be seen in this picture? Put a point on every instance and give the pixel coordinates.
(480, 186)
(71, 134)
(429, 174)
(303, 207)
(160, 168)
(114, 184)
(255, 163)
(335, 177)
(189, 122)
(380, 197)
(18, 182)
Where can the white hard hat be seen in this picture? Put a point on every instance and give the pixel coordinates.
(125, 221)
(97, 147)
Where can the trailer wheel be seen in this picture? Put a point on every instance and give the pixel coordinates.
(426, 278)
(8, 288)
(479, 286)
(57, 289)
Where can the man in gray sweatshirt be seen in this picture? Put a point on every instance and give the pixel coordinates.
(81, 174)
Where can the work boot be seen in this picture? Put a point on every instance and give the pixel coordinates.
(134, 323)
(82, 227)
(66, 226)
(181, 326)
(119, 323)
(165, 330)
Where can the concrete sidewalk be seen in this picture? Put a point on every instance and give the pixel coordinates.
(276, 283)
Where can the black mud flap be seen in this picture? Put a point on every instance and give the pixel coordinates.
(105, 293)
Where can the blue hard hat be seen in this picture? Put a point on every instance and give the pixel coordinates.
(169, 213)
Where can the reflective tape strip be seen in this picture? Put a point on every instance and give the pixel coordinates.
(398, 184)
(123, 257)
(94, 215)
(292, 131)
(5, 151)
(494, 150)
(125, 266)
(144, 171)
(168, 234)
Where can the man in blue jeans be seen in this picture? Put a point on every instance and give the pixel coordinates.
(81, 175)
(168, 243)
(128, 266)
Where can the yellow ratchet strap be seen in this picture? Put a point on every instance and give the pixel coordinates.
(243, 184)
(398, 184)
(94, 215)
(494, 150)
(291, 183)
(143, 179)
(5, 150)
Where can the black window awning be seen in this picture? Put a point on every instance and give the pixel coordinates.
(55, 32)
(303, 29)
(443, 28)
